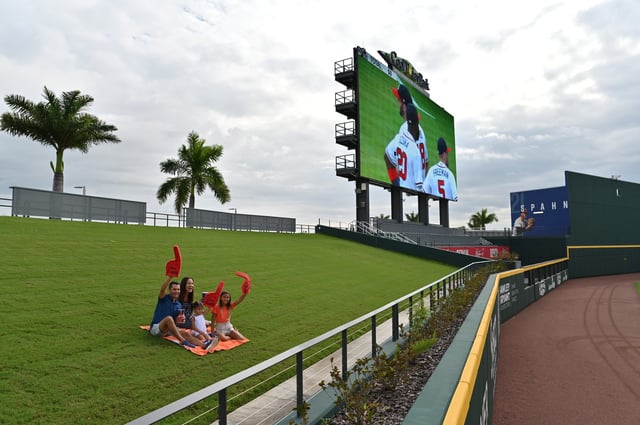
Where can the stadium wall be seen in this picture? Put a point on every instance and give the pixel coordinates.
(598, 232)
(461, 389)
(604, 238)
(532, 250)
(448, 257)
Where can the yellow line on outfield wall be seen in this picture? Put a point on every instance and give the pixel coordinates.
(459, 405)
(570, 247)
(461, 399)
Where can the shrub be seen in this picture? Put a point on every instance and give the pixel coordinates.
(356, 390)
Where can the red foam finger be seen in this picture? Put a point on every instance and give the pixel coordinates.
(211, 299)
(246, 287)
(173, 267)
(219, 289)
(171, 270)
(177, 254)
(244, 276)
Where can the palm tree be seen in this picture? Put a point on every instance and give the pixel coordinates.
(480, 219)
(412, 216)
(59, 122)
(383, 216)
(193, 174)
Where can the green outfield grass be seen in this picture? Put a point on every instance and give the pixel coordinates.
(75, 294)
(638, 287)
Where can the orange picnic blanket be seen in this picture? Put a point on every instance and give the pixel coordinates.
(222, 345)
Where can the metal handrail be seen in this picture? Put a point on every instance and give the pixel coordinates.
(368, 229)
(6, 199)
(435, 290)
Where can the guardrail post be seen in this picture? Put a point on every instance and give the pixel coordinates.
(222, 407)
(395, 322)
(431, 300)
(410, 310)
(373, 336)
(299, 388)
(344, 354)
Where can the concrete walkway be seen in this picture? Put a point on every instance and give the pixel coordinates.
(278, 402)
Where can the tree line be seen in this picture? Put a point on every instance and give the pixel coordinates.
(478, 220)
(61, 122)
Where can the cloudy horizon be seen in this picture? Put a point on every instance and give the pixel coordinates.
(535, 89)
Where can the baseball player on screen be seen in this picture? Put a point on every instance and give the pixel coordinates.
(403, 160)
(404, 98)
(440, 180)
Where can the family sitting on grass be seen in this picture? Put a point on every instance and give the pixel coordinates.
(177, 314)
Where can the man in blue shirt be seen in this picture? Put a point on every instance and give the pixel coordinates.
(167, 308)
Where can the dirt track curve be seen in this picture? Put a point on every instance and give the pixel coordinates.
(573, 357)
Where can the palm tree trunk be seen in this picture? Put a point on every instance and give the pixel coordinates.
(58, 172)
(58, 181)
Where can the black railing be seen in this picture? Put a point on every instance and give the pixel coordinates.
(164, 219)
(6, 202)
(435, 291)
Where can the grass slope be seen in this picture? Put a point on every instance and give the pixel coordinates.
(75, 293)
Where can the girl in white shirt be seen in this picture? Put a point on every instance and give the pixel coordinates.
(199, 325)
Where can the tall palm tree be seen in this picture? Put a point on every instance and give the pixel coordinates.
(412, 216)
(59, 122)
(194, 173)
(383, 216)
(480, 219)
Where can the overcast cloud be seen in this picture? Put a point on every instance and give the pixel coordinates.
(536, 88)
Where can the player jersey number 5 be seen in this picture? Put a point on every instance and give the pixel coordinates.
(441, 190)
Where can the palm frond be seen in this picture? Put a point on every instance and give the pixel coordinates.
(194, 166)
(57, 122)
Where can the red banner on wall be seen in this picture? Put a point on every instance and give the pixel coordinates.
(484, 251)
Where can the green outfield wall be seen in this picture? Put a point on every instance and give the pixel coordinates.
(602, 240)
(461, 389)
(604, 236)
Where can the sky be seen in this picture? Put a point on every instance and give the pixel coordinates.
(536, 88)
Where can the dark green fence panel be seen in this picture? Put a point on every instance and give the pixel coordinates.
(602, 210)
(513, 295)
(598, 261)
(533, 250)
(481, 405)
(432, 404)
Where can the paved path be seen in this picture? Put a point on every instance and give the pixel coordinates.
(269, 408)
(573, 357)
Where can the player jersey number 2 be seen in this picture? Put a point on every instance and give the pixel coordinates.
(423, 156)
(402, 163)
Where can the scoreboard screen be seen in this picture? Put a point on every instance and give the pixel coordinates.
(380, 122)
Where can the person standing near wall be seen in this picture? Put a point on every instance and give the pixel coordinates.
(521, 224)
